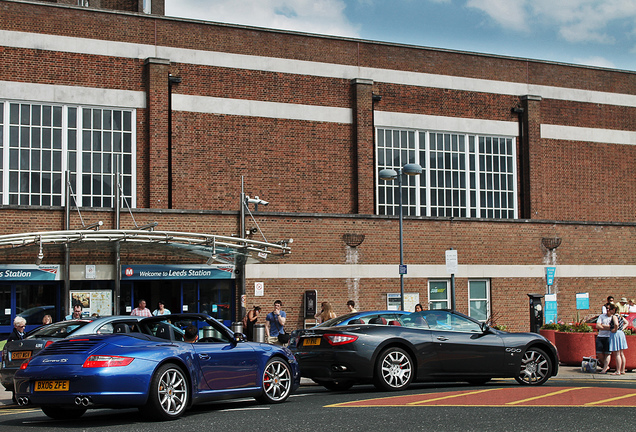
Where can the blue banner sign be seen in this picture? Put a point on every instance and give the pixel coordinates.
(182, 271)
(549, 273)
(28, 272)
(550, 315)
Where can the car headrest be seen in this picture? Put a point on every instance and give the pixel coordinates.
(377, 320)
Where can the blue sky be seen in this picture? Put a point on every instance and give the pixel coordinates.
(590, 32)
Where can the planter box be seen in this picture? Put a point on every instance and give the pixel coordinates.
(572, 347)
(549, 335)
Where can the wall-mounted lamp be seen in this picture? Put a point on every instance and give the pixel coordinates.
(213, 255)
(174, 79)
(251, 231)
(517, 110)
(95, 225)
(376, 97)
(40, 257)
(149, 226)
(285, 242)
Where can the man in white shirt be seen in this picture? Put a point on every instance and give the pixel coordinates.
(602, 341)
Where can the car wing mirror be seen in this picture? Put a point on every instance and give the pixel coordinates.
(239, 337)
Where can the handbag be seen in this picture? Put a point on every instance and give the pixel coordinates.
(283, 338)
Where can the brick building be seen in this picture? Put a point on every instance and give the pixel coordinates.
(526, 165)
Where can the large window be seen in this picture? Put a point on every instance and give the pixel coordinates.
(464, 175)
(39, 142)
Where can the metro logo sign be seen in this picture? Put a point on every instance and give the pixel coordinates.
(129, 272)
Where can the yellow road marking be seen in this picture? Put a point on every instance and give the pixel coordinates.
(453, 396)
(611, 399)
(545, 395)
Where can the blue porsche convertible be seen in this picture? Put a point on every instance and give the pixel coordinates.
(149, 365)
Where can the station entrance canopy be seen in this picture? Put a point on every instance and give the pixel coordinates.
(214, 248)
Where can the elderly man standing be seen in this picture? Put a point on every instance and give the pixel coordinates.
(19, 326)
(141, 309)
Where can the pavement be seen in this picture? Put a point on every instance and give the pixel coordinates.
(565, 372)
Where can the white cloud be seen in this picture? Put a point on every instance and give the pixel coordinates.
(311, 16)
(575, 20)
(509, 14)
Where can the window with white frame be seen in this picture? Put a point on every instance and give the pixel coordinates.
(464, 175)
(479, 299)
(39, 142)
(439, 294)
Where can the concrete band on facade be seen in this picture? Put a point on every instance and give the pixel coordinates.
(297, 116)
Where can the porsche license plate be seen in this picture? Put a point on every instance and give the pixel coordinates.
(311, 341)
(56, 385)
(20, 355)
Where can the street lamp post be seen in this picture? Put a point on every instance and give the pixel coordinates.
(411, 169)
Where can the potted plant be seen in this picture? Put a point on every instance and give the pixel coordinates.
(575, 341)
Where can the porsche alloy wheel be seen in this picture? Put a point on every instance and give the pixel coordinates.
(277, 381)
(169, 394)
(535, 367)
(394, 370)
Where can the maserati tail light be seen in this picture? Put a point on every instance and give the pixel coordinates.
(96, 361)
(340, 339)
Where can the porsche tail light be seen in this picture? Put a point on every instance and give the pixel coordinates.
(340, 339)
(24, 364)
(96, 361)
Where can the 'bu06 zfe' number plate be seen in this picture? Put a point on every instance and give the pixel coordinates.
(57, 385)
(311, 341)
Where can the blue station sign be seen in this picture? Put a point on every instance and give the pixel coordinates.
(182, 271)
(28, 272)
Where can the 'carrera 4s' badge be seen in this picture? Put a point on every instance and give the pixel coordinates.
(55, 360)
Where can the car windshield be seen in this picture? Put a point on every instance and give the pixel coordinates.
(337, 320)
(58, 330)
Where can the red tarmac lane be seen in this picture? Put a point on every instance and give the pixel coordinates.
(509, 397)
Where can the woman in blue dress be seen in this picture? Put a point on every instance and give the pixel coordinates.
(618, 343)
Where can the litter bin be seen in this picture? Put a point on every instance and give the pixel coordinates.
(237, 327)
(259, 333)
